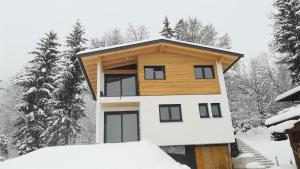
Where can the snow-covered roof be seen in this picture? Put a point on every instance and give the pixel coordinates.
(292, 113)
(156, 40)
(283, 126)
(291, 95)
(134, 155)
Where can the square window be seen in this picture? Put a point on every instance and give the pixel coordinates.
(203, 109)
(204, 72)
(170, 113)
(154, 72)
(216, 110)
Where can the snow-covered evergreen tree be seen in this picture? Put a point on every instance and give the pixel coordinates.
(68, 104)
(167, 31)
(36, 82)
(180, 30)
(3, 146)
(287, 34)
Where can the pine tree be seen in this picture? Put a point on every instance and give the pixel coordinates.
(287, 34)
(167, 31)
(180, 30)
(68, 102)
(37, 85)
(3, 146)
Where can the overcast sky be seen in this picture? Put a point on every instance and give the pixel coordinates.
(23, 22)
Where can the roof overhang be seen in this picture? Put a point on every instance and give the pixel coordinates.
(127, 53)
(291, 95)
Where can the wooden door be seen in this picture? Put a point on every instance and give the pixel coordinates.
(213, 157)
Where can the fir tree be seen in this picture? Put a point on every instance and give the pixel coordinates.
(167, 31)
(3, 146)
(37, 85)
(68, 101)
(287, 34)
(180, 30)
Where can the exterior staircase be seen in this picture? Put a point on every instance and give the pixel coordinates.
(259, 158)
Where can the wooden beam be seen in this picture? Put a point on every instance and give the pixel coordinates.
(120, 71)
(220, 59)
(161, 48)
(119, 64)
(116, 61)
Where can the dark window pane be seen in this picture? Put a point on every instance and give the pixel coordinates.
(113, 86)
(203, 110)
(130, 130)
(113, 129)
(208, 71)
(216, 110)
(149, 73)
(164, 113)
(198, 73)
(129, 86)
(175, 113)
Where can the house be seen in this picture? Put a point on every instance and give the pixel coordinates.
(166, 91)
(288, 120)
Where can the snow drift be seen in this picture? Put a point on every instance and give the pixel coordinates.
(133, 155)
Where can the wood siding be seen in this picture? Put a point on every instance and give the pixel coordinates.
(210, 157)
(179, 73)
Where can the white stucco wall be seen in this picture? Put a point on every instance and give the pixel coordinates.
(192, 130)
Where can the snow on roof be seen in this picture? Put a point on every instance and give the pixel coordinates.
(87, 51)
(285, 114)
(283, 126)
(288, 93)
(133, 155)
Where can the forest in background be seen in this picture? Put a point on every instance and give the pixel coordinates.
(41, 110)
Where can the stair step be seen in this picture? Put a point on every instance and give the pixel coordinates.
(258, 157)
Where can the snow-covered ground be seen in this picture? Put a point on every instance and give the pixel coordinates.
(259, 139)
(133, 155)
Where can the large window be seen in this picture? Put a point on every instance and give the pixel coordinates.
(170, 113)
(203, 109)
(216, 110)
(120, 85)
(121, 127)
(204, 72)
(154, 72)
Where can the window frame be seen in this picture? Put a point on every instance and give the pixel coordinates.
(120, 78)
(202, 67)
(121, 113)
(170, 113)
(206, 104)
(154, 76)
(219, 109)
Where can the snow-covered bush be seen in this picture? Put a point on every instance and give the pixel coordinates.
(279, 136)
(3, 146)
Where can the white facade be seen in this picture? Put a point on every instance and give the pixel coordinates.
(192, 129)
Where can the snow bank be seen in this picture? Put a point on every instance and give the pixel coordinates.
(259, 139)
(246, 155)
(133, 155)
(284, 115)
(288, 93)
(254, 165)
